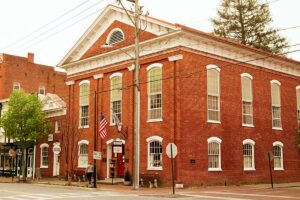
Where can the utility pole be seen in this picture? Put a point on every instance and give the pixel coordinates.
(136, 97)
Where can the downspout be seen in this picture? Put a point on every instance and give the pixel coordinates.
(34, 155)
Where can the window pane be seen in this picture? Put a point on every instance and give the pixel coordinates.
(116, 109)
(155, 82)
(213, 82)
(276, 113)
(275, 92)
(298, 99)
(213, 108)
(84, 94)
(277, 157)
(45, 156)
(248, 156)
(155, 154)
(213, 155)
(155, 93)
(84, 116)
(247, 113)
(246, 89)
(116, 88)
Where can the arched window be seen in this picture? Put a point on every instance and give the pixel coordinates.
(278, 155)
(213, 93)
(276, 104)
(247, 109)
(115, 36)
(214, 154)
(154, 92)
(248, 152)
(116, 97)
(84, 94)
(83, 152)
(298, 102)
(154, 153)
(44, 155)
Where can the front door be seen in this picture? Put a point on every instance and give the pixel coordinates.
(29, 166)
(56, 164)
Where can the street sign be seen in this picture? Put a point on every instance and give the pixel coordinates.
(56, 149)
(12, 153)
(271, 156)
(97, 155)
(174, 150)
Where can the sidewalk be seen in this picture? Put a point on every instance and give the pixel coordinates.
(162, 191)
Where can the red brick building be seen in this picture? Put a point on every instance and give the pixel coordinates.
(223, 104)
(22, 73)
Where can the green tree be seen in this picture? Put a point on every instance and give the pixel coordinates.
(248, 22)
(24, 121)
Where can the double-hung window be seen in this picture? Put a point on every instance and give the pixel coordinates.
(83, 152)
(276, 105)
(116, 97)
(213, 93)
(84, 94)
(44, 155)
(278, 155)
(214, 154)
(248, 152)
(154, 153)
(247, 109)
(154, 92)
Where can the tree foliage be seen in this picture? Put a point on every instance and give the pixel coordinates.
(248, 22)
(24, 121)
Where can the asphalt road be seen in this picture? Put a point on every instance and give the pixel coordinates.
(20, 191)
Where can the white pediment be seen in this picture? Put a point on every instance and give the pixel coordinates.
(104, 20)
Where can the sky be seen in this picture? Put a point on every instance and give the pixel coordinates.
(50, 28)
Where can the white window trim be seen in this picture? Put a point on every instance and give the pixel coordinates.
(56, 126)
(252, 143)
(215, 67)
(279, 84)
(219, 141)
(80, 83)
(298, 109)
(81, 142)
(111, 32)
(41, 162)
(44, 88)
(280, 144)
(117, 74)
(154, 65)
(251, 78)
(149, 140)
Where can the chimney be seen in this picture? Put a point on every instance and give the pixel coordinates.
(30, 57)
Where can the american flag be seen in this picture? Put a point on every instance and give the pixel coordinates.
(102, 128)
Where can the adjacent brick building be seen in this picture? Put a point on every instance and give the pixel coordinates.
(223, 104)
(22, 73)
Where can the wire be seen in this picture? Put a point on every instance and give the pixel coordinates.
(45, 25)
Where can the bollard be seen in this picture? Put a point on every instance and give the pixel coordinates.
(150, 185)
(155, 183)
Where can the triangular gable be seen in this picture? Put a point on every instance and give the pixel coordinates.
(103, 22)
(52, 102)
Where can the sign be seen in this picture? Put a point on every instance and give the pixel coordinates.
(117, 149)
(56, 149)
(19, 152)
(12, 153)
(50, 137)
(118, 143)
(97, 155)
(174, 150)
(271, 156)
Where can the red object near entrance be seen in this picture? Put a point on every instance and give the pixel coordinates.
(120, 165)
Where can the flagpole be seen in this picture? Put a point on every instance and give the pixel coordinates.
(95, 138)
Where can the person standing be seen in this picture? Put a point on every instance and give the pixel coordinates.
(89, 172)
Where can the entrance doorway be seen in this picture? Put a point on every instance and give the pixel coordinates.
(30, 163)
(115, 155)
(56, 159)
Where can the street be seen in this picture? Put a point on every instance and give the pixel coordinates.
(19, 191)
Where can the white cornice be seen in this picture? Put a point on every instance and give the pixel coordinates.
(98, 76)
(70, 83)
(233, 53)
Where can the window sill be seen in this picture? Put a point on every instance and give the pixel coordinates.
(213, 122)
(248, 125)
(214, 169)
(154, 120)
(278, 169)
(84, 126)
(155, 168)
(43, 167)
(57, 132)
(249, 169)
(277, 128)
(82, 167)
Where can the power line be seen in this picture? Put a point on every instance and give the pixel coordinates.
(45, 25)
